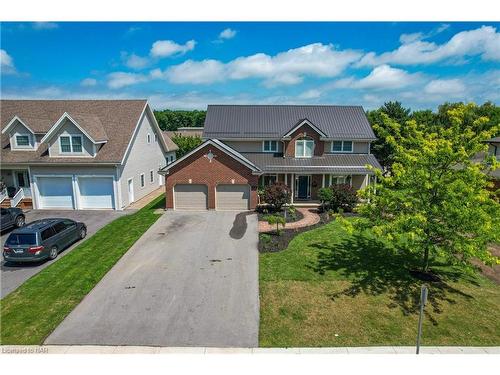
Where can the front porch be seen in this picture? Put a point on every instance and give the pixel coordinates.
(15, 188)
(305, 187)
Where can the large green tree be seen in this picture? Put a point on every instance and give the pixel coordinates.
(436, 199)
(185, 144)
(172, 120)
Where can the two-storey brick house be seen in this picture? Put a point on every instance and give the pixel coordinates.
(247, 146)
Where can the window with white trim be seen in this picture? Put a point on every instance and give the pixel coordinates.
(156, 138)
(342, 146)
(142, 180)
(338, 180)
(304, 148)
(172, 158)
(23, 140)
(71, 144)
(151, 176)
(269, 179)
(149, 138)
(270, 146)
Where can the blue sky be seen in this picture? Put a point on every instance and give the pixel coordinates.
(190, 65)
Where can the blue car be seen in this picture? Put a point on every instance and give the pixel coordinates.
(42, 239)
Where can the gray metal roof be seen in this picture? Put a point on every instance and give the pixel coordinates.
(273, 121)
(329, 163)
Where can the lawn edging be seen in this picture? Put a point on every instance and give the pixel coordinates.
(30, 313)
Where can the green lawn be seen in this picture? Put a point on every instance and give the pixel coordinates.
(35, 309)
(331, 288)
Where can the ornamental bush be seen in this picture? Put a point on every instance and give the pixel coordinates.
(277, 195)
(338, 197)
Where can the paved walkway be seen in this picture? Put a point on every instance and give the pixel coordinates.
(88, 349)
(310, 218)
(146, 199)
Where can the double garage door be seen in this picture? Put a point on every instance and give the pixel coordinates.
(90, 192)
(227, 197)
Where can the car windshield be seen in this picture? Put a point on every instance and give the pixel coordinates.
(21, 239)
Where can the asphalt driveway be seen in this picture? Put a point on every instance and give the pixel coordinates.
(13, 275)
(190, 280)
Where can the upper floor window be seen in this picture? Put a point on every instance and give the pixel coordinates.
(342, 146)
(22, 140)
(304, 148)
(270, 146)
(149, 138)
(156, 138)
(151, 176)
(71, 144)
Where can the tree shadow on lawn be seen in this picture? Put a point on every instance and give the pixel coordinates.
(375, 268)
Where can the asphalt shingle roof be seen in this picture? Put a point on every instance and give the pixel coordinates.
(111, 120)
(273, 121)
(343, 163)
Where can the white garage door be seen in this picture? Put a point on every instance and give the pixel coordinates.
(55, 192)
(190, 197)
(96, 192)
(233, 197)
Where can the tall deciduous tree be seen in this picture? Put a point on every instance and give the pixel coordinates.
(435, 199)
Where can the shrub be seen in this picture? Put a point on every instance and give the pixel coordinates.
(292, 211)
(277, 195)
(276, 220)
(338, 197)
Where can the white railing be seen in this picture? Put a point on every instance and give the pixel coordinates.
(3, 195)
(23, 192)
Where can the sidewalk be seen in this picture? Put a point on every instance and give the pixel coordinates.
(137, 205)
(88, 349)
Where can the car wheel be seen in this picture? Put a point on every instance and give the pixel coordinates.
(20, 221)
(83, 233)
(53, 253)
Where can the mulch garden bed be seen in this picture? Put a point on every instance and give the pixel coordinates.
(289, 219)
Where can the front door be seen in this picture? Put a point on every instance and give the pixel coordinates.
(303, 187)
(22, 179)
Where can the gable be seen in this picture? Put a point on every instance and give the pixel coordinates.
(69, 129)
(304, 126)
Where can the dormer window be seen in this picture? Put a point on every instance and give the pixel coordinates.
(304, 148)
(270, 146)
(342, 146)
(23, 141)
(71, 144)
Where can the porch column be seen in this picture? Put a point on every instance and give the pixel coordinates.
(292, 186)
(323, 182)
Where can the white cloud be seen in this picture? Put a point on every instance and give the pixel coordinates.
(88, 82)
(118, 80)
(164, 48)
(6, 63)
(484, 42)
(227, 34)
(194, 72)
(409, 38)
(45, 25)
(285, 68)
(445, 87)
(135, 62)
(311, 94)
(382, 77)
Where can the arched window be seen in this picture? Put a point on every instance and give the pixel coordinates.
(304, 148)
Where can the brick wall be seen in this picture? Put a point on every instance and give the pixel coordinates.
(221, 170)
(299, 134)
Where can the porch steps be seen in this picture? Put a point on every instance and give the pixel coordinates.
(24, 204)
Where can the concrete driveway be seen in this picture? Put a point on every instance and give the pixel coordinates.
(13, 275)
(190, 280)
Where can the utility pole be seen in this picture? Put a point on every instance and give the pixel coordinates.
(423, 301)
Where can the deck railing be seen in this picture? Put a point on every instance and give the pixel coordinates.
(23, 192)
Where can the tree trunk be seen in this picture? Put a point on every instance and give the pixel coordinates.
(426, 259)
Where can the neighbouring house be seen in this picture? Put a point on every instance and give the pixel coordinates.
(249, 146)
(80, 154)
(494, 150)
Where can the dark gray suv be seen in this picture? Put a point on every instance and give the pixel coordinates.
(42, 239)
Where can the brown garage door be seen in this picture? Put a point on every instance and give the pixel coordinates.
(233, 197)
(190, 197)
